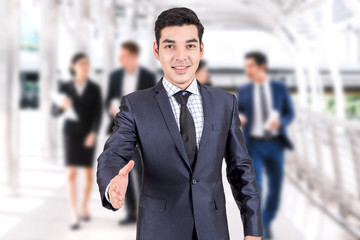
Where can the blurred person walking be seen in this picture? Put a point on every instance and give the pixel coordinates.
(82, 107)
(130, 78)
(265, 110)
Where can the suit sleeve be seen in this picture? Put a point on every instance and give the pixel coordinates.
(287, 112)
(241, 176)
(118, 150)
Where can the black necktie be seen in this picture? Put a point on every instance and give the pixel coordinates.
(187, 126)
(264, 109)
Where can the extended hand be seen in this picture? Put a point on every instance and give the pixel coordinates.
(118, 185)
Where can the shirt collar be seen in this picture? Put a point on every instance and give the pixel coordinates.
(265, 84)
(135, 73)
(171, 89)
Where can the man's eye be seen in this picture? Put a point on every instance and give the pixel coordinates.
(169, 46)
(191, 46)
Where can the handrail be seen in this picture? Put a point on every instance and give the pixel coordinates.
(327, 159)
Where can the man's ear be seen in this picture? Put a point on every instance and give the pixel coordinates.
(156, 50)
(202, 49)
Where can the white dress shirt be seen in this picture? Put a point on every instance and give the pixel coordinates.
(194, 105)
(129, 82)
(258, 128)
(80, 87)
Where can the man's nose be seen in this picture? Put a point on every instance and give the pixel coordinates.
(180, 55)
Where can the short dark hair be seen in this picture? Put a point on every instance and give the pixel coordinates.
(132, 46)
(77, 56)
(177, 17)
(259, 57)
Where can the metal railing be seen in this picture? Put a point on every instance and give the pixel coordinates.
(325, 165)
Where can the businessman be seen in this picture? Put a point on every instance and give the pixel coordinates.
(131, 77)
(265, 111)
(184, 129)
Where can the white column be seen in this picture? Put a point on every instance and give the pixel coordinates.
(9, 74)
(107, 25)
(326, 35)
(82, 13)
(48, 68)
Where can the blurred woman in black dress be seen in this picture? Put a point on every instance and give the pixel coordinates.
(84, 97)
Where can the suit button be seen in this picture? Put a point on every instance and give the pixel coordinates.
(194, 181)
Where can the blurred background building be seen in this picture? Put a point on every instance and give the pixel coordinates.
(313, 47)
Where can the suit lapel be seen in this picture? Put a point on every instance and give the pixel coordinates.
(208, 121)
(120, 78)
(139, 84)
(251, 101)
(273, 96)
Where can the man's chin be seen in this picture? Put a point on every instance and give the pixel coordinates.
(181, 79)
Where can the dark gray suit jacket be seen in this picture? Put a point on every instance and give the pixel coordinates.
(173, 196)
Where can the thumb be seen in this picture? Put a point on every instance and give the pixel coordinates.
(127, 168)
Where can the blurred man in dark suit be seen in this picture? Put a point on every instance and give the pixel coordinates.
(131, 77)
(265, 111)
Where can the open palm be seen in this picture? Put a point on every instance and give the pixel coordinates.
(118, 185)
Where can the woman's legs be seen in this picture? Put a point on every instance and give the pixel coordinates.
(71, 183)
(87, 190)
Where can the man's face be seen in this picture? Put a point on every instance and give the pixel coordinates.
(252, 70)
(179, 52)
(127, 59)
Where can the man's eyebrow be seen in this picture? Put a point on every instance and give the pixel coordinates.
(168, 41)
(191, 40)
(173, 41)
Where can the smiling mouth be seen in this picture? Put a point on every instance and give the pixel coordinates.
(180, 69)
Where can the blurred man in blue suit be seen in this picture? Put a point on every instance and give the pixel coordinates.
(266, 110)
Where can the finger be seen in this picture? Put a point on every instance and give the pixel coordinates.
(115, 204)
(127, 168)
